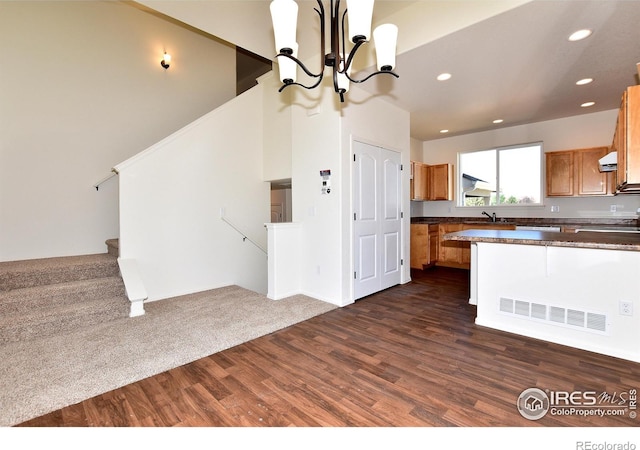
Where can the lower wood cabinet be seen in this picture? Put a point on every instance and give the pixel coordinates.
(428, 247)
(457, 253)
(424, 245)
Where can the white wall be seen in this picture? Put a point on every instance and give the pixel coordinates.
(316, 146)
(373, 121)
(82, 90)
(588, 130)
(277, 128)
(571, 278)
(322, 134)
(172, 194)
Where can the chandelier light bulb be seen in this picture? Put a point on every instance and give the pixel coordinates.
(341, 78)
(284, 15)
(360, 14)
(288, 67)
(385, 38)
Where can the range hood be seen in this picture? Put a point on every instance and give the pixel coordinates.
(609, 162)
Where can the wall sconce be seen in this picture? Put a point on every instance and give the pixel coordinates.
(166, 61)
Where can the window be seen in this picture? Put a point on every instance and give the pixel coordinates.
(502, 176)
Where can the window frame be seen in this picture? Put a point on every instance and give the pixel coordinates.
(459, 182)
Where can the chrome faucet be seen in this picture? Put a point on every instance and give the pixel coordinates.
(492, 217)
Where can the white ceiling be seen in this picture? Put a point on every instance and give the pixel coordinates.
(520, 67)
(510, 59)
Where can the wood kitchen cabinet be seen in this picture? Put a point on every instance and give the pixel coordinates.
(431, 182)
(419, 184)
(626, 142)
(450, 252)
(576, 173)
(559, 171)
(457, 254)
(440, 182)
(590, 180)
(424, 245)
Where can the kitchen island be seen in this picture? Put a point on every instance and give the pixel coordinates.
(575, 289)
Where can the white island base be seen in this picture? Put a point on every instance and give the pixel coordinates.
(570, 296)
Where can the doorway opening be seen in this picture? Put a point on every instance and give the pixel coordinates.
(281, 201)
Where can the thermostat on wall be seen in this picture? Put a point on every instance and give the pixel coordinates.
(326, 181)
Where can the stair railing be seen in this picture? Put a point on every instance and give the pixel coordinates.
(244, 236)
(113, 173)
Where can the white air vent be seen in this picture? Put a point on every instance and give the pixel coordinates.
(555, 315)
(506, 305)
(538, 311)
(575, 318)
(522, 308)
(597, 322)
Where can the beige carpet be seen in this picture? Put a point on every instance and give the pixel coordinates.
(46, 374)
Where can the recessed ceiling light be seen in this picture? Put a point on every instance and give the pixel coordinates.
(444, 131)
(443, 76)
(580, 34)
(498, 121)
(584, 81)
(587, 104)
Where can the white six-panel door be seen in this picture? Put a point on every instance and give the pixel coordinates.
(377, 219)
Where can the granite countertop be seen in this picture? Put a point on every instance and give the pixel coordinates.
(600, 223)
(584, 239)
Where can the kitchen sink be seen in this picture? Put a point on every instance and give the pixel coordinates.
(537, 228)
(610, 229)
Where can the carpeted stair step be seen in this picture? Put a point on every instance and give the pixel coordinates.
(42, 322)
(22, 301)
(43, 297)
(39, 272)
(113, 247)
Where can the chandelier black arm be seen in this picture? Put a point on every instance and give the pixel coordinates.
(347, 63)
(373, 74)
(322, 31)
(301, 64)
(344, 50)
(300, 84)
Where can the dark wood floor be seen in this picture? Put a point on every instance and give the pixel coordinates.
(410, 356)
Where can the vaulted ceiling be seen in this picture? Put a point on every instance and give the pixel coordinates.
(509, 60)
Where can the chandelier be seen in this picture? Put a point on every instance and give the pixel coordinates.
(284, 14)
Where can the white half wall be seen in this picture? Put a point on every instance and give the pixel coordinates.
(173, 194)
(580, 281)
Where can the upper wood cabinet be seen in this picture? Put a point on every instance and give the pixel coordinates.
(626, 141)
(431, 182)
(576, 173)
(419, 181)
(440, 182)
(559, 170)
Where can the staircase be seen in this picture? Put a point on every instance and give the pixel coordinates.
(42, 297)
